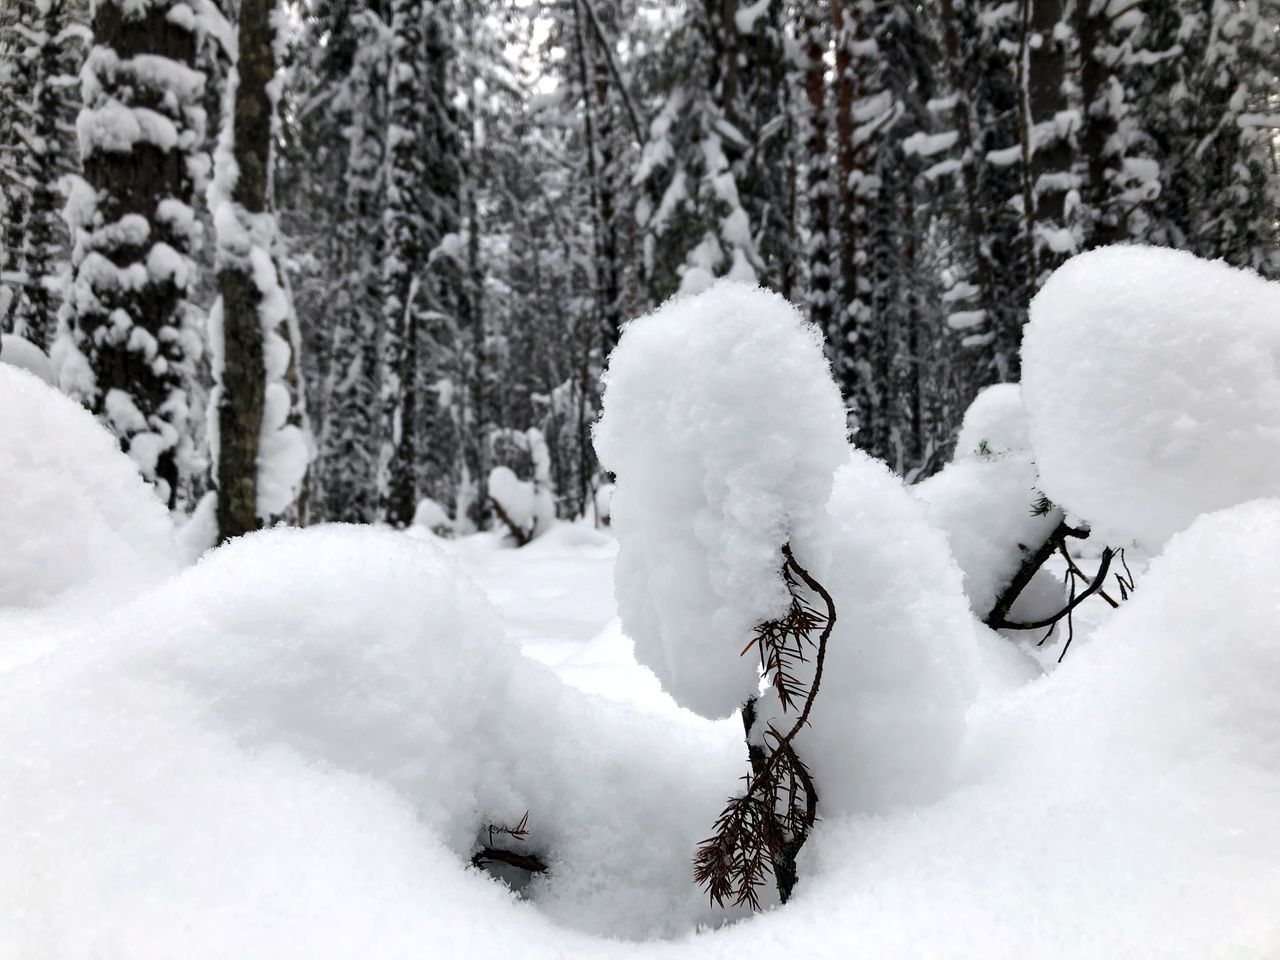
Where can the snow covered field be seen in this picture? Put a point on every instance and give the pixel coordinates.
(294, 747)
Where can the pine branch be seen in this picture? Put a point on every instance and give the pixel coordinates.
(751, 839)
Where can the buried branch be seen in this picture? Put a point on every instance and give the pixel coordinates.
(494, 854)
(761, 832)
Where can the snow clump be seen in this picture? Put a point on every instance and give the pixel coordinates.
(723, 427)
(75, 514)
(1152, 381)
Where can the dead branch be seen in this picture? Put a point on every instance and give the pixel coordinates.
(1030, 565)
(752, 839)
(492, 853)
(524, 861)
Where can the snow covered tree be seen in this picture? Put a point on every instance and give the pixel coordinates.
(422, 198)
(331, 187)
(133, 333)
(45, 247)
(1230, 89)
(695, 223)
(41, 56)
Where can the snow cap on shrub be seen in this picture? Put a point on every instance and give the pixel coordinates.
(996, 420)
(1152, 381)
(724, 428)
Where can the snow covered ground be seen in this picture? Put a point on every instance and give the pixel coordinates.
(294, 747)
(555, 598)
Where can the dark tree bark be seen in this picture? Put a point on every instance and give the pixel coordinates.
(240, 404)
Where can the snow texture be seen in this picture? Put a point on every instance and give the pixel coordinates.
(887, 725)
(336, 714)
(76, 517)
(985, 499)
(997, 419)
(1152, 380)
(723, 427)
(984, 505)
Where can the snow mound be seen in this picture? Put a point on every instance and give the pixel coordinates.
(1196, 647)
(723, 427)
(901, 670)
(25, 355)
(1152, 381)
(75, 515)
(431, 518)
(323, 723)
(996, 421)
(292, 748)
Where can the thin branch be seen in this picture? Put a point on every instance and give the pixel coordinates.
(1093, 588)
(1032, 563)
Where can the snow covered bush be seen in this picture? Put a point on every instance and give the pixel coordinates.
(527, 508)
(430, 516)
(723, 427)
(75, 514)
(987, 499)
(1152, 381)
(747, 524)
(995, 423)
(318, 724)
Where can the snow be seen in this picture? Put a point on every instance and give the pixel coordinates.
(887, 727)
(76, 517)
(432, 517)
(723, 427)
(997, 419)
(291, 749)
(984, 505)
(744, 18)
(22, 353)
(527, 504)
(1151, 380)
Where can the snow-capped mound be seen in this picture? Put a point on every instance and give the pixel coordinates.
(996, 422)
(75, 515)
(1152, 381)
(889, 719)
(324, 722)
(1197, 648)
(25, 355)
(723, 426)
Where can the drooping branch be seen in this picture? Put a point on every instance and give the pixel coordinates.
(1089, 591)
(1030, 565)
(518, 533)
(761, 832)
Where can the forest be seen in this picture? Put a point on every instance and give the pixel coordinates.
(384, 241)
(628, 479)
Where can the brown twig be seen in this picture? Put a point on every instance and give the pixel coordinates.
(750, 839)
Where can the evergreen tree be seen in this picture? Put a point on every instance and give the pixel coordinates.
(133, 333)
